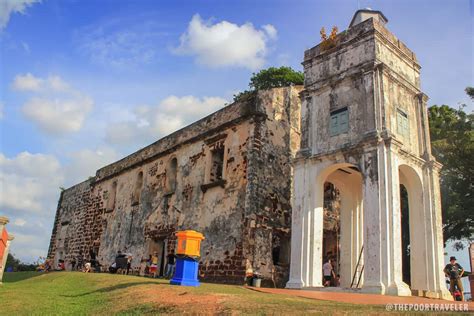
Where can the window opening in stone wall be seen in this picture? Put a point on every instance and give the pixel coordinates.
(217, 162)
(339, 122)
(166, 203)
(280, 250)
(138, 189)
(171, 175)
(111, 197)
(402, 124)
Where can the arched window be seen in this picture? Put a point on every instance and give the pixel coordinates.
(171, 175)
(138, 189)
(111, 197)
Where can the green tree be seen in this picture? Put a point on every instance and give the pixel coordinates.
(17, 265)
(452, 141)
(271, 78)
(470, 92)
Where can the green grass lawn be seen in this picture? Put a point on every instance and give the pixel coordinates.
(74, 293)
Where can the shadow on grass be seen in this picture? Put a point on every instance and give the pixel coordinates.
(110, 288)
(11, 277)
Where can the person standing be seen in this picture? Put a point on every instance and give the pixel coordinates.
(171, 265)
(154, 264)
(73, 264)
(147, 266)
(328, 272)
(129, 262)
(454, 271)
(80, 261)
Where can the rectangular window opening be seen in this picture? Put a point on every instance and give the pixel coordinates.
(217, 163)
(403, 128)
(339, 122)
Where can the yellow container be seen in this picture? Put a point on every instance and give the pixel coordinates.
(189, 243)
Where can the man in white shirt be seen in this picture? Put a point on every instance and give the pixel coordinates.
(328, 272)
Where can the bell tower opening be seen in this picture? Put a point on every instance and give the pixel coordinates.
(331, 226)
(405, 220)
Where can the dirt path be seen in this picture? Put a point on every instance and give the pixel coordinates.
(171, 299)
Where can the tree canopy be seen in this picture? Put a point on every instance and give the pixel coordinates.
(452, 141)
(17, 265)
(272, 78)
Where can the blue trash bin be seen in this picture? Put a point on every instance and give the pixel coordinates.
(186, 272)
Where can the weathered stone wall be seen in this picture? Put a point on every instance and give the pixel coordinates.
(275, 140)
(138, 203)
(215, 210)
(372, 73)
(335, 78)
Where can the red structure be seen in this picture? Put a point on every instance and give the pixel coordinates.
(3, 243)
(5, 240)
(471, 276)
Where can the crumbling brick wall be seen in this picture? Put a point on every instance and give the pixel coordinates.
(227, 175)
(77, 223)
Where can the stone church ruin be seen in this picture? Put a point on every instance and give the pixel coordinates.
(340, 168)
(227, 175)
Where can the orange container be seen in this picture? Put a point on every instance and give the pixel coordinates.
(189, 243)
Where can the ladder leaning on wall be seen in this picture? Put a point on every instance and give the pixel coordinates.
(358, 270)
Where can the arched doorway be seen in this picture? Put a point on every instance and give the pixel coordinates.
(405, 224)
(412, 229)
(342, 228)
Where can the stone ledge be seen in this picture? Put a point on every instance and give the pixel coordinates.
(219, 183)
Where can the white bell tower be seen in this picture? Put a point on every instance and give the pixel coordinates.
(365, 131)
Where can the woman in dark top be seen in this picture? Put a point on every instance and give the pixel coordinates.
(170, 266)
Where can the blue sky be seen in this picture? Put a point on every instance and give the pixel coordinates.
(83, 83)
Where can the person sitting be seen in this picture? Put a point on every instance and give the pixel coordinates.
(121, 262)
(61, 265)
(87, 267)
(113, 268)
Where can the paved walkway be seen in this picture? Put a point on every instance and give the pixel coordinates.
(359, 298)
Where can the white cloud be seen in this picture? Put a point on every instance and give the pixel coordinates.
(29, 182)
(7, 7)
(271, 31)
(226, 44)
(56, 107)
(28, 246)
(30, 189)
(19, 222)
(2, 115)
(85, 162)
(149, 123)
(56, 116)
(27, 82)
(56, 83)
